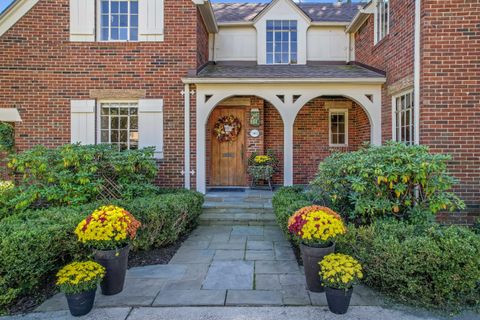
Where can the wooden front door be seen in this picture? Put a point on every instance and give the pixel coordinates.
(228, 159)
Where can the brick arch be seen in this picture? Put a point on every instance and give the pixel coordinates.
(311, 134)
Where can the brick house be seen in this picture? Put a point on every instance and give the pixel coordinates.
(301, 79)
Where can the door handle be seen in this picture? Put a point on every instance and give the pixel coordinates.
(242, 153)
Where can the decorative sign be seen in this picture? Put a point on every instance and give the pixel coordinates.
(255, 117)
(228, 155)
(254, 133)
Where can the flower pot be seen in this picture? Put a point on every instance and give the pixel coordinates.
(338, 299)
(311, 257)
(115, 262)
(81, 303)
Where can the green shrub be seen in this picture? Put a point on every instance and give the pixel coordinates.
(35, 243)
(428, 266)
(7, 139)
(285, 202)
(75, 175)
(391, 180)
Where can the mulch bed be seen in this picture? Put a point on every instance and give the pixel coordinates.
(135, 259)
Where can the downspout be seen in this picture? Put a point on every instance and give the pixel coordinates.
(416, 71)
(187, 135)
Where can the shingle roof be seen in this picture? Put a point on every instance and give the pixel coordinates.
(318, 12)
(343, 71)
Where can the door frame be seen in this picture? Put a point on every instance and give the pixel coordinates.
(210, 146)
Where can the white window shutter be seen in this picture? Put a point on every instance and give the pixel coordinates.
(150, 125)
(151, 20)
(82, 20)
(82, 121)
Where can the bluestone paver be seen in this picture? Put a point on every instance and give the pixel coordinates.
(253, 298)
(260, 255)
(190, 297)
(230, 275)
(259, 245)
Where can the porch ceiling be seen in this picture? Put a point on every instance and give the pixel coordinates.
(295, 73)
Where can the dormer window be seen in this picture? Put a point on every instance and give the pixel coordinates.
(382, 20)
(281, 42)
(119, 20)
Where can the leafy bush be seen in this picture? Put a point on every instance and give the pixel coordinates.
(428, 266)
(75, 175)
(391, 180)
(35, 243)
(285, 202)
(7, 139)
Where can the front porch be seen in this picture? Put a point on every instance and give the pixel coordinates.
(295, 124)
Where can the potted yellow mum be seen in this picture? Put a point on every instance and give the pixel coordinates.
(339, 273)
(79, 281)
(315, 229)
(109, 230)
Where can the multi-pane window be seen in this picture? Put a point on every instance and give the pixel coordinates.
(338, 127)
(383, 19)
(281, 42)
(403, 118)
(119, 125)
(119, 20)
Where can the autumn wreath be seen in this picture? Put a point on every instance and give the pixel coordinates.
(227, 128)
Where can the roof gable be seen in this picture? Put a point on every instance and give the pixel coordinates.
(276, 3)
(15, 12)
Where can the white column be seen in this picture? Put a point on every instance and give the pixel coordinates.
(186, 169)
(288, 152)
(201, 147)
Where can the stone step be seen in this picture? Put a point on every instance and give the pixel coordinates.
(236, 205)
(226, 211)
(237, 219)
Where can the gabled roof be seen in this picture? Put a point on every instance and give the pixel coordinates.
(317, 12)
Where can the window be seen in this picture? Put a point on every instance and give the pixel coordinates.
(119, 125)
(338, 127)
(382, 20)
(281, 42)
(403, 118)
(119, 20)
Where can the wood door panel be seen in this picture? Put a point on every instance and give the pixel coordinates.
(228, 163)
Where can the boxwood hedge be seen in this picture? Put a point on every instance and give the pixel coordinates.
(35, 243)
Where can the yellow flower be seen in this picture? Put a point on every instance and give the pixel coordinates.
(340, 271)
(262, 159)
(79, 273)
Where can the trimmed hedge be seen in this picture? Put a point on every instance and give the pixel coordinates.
(35, 243)
(428, 266)
(285, 202)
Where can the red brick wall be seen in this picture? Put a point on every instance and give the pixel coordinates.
(274, 138)
(393, 54)
(450, 92)
(41, 71)
(202, 42)
(311, 136)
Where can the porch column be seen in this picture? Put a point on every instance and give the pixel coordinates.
(201, 116)
(288, 151)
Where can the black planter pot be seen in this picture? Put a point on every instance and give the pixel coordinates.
(311, 256)
(338, 299)
(115, 262)
(81, 303)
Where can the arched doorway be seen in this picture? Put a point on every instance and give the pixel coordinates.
(325, 125)
(261, 130)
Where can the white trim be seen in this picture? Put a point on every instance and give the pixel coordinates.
(10, 115)
(417, 71)
(376, 25)
(186, 93)
(345, 112)
(15, 13)
(283, 80)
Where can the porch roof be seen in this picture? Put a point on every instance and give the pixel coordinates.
(294, 73)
